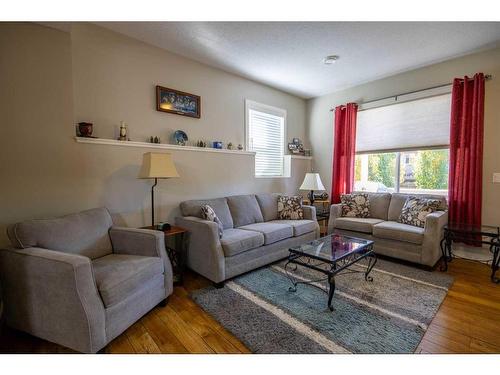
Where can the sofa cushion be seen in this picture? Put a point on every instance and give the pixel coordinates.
(235, 241)
(356, 224)
(209, 214)
(84, 233)
(118, 276)
(415, 210)
(398, 201)
(290, 207)
(273, 232)
(219, 205)
(400, 232)
(268, 203)
(299, 227)
(379, 205)
(355, 205)
(244, 210)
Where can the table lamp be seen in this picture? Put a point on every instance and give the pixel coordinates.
(157, 165)
(312, 181)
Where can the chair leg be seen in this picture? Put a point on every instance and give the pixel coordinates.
(219, 285)
(163, 303)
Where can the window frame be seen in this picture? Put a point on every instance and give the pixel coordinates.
(268, 109)
(398, 152)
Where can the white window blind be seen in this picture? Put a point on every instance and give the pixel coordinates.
(266, 136)
(409, 125)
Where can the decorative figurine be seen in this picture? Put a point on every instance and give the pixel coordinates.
(229, 146)
(123, 131)
(201, 144)
(296, 147)
(240, 147)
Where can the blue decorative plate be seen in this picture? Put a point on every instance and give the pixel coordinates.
(180, 137)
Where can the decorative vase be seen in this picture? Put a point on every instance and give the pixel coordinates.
(85, 129)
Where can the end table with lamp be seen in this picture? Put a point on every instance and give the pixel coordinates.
(161, 166)
(178, 252)
(157, 165)
(312, 182)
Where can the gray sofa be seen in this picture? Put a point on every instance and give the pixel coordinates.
(397, 240)
(79, 281)
(253, 236)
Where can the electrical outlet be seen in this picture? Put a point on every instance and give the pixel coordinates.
(496, 178)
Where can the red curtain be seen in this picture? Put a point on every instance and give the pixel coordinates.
(344, 143)
(466, 151)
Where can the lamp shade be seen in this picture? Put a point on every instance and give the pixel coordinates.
(157, 165)
(312, 181)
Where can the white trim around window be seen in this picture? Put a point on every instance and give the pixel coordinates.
(255, 109)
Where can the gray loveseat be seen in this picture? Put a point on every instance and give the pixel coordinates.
(397, 240)
(253, 236)
(79, 281)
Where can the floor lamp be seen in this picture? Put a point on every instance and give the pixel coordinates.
(157, 165)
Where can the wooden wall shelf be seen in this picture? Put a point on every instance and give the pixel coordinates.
(112, 142)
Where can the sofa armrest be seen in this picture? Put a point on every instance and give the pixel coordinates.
(335, 212)
(53, 295)
(144, 242)
(309, 212)
(132, 241)
(433, 233)
(205, 255)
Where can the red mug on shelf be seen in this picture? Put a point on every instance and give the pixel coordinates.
(85, 129)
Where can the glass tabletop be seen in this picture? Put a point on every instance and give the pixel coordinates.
(485, 230)
(332, 247)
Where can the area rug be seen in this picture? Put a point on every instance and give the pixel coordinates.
(388, 315)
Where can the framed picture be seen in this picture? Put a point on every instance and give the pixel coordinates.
(177, 102)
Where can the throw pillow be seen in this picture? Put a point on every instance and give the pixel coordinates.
(355, 205)
(415, 210)
(290, 208)
(208, 213)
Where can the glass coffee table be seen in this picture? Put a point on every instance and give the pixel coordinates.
(330, 255)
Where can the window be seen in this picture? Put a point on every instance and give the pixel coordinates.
(404, 147)
(265, 134)
(415, 171)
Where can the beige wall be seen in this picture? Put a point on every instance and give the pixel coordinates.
(114, 79)
(320, 119)
(50, 79)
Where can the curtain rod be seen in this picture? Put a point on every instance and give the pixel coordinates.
(486, 77)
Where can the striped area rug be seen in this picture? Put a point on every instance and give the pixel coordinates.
(388, 315)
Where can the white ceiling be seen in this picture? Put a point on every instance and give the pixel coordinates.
(289, 55)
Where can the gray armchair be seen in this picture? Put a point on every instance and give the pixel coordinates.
(79, 281)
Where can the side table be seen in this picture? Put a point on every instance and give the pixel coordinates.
(485, 234)
(323, 217)
(322, 213)
(177, 253)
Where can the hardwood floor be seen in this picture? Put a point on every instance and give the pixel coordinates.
(468, 321)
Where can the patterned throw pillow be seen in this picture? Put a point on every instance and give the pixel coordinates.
(208, 213)
(415, 210)
(290, 208)
(355, 205)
